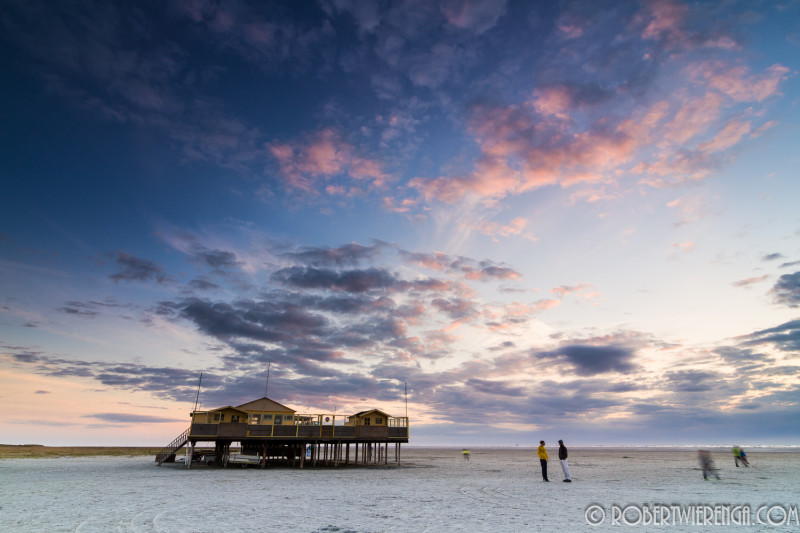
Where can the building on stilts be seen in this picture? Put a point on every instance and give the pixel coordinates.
(264, 432)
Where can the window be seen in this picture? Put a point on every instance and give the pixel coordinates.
(278, 419)
(378, 421)
(234, 419)
(366, 421)
(267, 418)
(216, 417)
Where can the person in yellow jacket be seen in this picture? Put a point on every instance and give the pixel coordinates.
(541, 451)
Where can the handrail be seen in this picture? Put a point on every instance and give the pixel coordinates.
(173, 446)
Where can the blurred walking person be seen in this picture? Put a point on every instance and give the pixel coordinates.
(541, 451)
(707, 464)
(562, 456)
(743, 457)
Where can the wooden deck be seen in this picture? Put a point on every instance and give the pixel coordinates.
(241, 431)
(299, 445)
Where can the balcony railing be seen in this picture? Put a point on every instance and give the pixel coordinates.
(302, 427)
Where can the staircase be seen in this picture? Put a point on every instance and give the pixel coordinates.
(167, 455)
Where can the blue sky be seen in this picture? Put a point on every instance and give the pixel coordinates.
(566, 220)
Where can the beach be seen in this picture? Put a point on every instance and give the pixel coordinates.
(433, 489)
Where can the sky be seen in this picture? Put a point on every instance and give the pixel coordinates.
(511, 220)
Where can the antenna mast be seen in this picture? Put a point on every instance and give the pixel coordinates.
(266, 387)
(197, 397)
(405, 388)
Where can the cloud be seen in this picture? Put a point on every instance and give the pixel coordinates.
(456, 308)
(128, 418)
(324, 154)
(203, 285)
(468, 268)
(494, 388)
(785, 337)
(564, 290)
(592, 360)
(687, 381)
(133, 268)
(474, 15)
(162, 382)
(787, 290)
(78, 309)
(265, 36)
(687, 246)
(736, 81)
(514, 227)
(691, 208)
(749, 281)
(256, 320)
(345, 255)
(349, 281)
(582, 125)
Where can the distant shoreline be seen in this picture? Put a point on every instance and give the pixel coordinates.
(37, 451)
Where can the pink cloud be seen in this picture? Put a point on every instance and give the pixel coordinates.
(694, 116)
(561, 137)
(564, 290)
(510, 316)
(665, 21)
(323, 155)
(593, 194)
(489, 272)
(515, 227)
(434, 261)
(571, 31)
(522, 151)
(749, 281)
(474, 15)
(730, 135)
(737, 82)
(763, 128)
(691, 208)
(403, 206)
(687, 246)
(555, 101)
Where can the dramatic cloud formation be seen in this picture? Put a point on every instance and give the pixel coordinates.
(534, 217)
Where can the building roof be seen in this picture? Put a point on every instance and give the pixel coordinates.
(362, 413)
(265, 404)
(224, 408)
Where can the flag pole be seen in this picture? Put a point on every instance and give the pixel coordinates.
(197, 397)
(405, 388)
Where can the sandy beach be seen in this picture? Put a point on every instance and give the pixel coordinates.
(498, 490)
